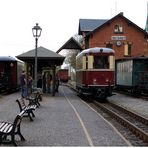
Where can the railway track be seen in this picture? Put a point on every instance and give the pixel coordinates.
(137, 124)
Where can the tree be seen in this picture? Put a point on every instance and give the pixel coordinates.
(71, 54)
(71, 58)
(79, 39)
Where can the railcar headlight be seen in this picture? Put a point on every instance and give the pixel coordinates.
(94, 81)
(107, 80)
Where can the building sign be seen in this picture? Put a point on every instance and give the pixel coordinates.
(118, 38)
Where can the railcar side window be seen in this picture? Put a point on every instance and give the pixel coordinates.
(111, 62)
(101, 62)
(90, 62)
(84, 62)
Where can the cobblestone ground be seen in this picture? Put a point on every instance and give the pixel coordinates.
(56, 124)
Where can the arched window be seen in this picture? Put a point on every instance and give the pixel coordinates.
(118, 29)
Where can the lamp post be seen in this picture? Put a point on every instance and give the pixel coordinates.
(36, 30)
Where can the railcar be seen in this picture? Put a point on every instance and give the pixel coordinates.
(132, 75)
(63, 75)
(10, 70)
(95, 72)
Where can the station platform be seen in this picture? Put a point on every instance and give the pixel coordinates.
(62, 120)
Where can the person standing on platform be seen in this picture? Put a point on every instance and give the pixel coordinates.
(49, 81)
(44, 83)
(57, 82)
(23, 83)
(29, 85)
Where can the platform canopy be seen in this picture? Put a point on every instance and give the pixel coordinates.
(46, 57)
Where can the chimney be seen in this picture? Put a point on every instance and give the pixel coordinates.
(121, 13)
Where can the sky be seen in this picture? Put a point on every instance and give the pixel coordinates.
(59, 20)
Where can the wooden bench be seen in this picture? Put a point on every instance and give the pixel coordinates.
(33, 100)
(38, 93)
(36, 96)
(11, 129)
(28, 108)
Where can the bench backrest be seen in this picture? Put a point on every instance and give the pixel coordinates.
(18, 120)
(7, 127)
(21, 103)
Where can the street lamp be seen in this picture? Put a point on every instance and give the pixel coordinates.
(36, 30)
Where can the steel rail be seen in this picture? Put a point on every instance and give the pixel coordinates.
(125, 122)
(140, 118)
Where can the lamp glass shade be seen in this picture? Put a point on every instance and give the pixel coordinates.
(36, 31)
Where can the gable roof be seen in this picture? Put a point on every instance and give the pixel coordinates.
(109, 21)
(71, 44)
(88, 25)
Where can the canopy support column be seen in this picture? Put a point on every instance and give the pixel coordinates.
(54, 80)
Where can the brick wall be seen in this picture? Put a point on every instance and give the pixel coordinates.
(133, 35)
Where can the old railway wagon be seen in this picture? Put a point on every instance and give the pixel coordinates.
(10, 70)
(63, 75)
(95, 72)
(132, 74)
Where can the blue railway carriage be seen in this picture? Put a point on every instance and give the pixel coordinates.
(10, 70)
(132, 74)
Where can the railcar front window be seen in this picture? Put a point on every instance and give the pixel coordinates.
(101, 62)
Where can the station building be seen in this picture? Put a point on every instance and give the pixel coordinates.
(118, 33)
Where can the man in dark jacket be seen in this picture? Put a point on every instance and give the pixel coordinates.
(23, 83)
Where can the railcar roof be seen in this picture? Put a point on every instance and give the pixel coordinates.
(95, 50)
(9, 58)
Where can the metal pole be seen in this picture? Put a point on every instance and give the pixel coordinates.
(36, 42)
(53, 79)
(36, 30)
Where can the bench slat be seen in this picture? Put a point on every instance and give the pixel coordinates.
(3, 127)
(8, 128)
(1, 124)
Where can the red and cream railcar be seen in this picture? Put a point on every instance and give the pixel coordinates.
(95, 72)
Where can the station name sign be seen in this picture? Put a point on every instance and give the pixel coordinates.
(118, 38)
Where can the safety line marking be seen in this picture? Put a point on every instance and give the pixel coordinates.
(81, 121)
